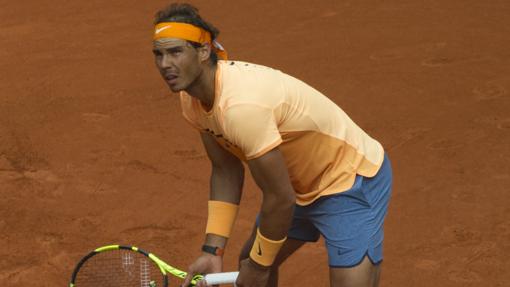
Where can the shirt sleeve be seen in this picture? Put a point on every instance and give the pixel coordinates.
(189, 111)
(252, 128)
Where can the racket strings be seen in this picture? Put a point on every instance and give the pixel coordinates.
(119, 268)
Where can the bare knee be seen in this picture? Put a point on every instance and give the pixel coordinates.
(365, 274)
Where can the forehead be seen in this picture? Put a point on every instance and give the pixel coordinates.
(166, 43)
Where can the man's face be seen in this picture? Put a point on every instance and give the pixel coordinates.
(178, 62)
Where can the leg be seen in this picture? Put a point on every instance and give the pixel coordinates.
(365, 274)
(355, 235)
(289, 247)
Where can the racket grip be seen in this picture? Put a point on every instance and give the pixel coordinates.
(221, 278)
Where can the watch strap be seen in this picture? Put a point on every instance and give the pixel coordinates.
(214, 250)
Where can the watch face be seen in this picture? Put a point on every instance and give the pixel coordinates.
(219, 251)
(213, 250)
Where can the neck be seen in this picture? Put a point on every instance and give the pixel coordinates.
(204, 87)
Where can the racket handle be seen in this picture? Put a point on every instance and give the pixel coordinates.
(221, 278)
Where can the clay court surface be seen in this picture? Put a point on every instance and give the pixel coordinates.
(94, 151)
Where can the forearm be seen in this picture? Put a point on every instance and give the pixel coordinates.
(276, 213)
(226, 183)
(271, 175)
(275, 218)
(226, 186)
(279, 198)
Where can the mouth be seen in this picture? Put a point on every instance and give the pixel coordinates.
(171, 79)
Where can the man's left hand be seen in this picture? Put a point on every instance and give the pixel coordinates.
(252, 274)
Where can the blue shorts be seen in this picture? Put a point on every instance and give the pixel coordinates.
(351, 222)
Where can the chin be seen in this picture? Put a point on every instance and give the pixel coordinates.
(175, 88)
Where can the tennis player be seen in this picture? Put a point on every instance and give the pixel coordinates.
(320, 174)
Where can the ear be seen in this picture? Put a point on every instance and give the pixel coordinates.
(204, 53)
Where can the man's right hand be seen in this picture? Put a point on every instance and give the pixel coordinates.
(205, 264)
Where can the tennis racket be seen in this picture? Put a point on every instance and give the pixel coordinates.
(130, 266)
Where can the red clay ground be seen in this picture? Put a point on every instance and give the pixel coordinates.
(93, 149)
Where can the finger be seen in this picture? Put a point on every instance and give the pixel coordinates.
(201, 283)
(187, 279)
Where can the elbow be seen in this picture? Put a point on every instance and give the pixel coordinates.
(290, 199)
(284, 200)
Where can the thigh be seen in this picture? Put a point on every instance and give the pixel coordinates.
(352, 222)
(366, 274)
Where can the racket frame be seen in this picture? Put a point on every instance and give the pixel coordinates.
(163, 266)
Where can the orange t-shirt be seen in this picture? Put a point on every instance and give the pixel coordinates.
(257, 108)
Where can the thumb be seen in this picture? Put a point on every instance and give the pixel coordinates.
(187, 279)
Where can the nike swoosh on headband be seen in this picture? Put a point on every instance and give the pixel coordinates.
(162, 28)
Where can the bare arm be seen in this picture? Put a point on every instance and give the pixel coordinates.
(226, 181)
(226, 184)
(271, 175)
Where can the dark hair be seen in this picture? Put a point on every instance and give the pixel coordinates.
(186, 13)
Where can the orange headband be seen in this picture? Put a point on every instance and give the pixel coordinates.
(188, 32)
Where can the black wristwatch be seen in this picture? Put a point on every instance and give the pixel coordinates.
(214, 250)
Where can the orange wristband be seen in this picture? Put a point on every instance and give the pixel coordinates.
(264, 250)
(221, 217)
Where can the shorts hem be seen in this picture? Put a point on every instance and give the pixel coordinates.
(367, 254)
(304, 240)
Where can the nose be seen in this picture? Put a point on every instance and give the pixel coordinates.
(165, 61)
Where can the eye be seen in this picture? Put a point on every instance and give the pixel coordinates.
(174, 51)
(156, 53)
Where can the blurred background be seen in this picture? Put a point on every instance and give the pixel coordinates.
(94, 150)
